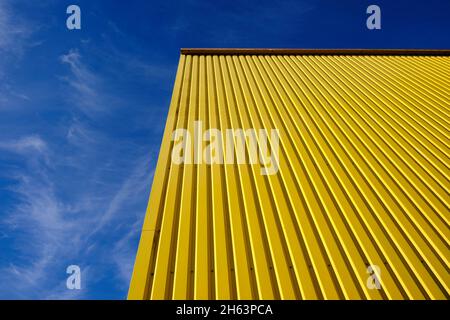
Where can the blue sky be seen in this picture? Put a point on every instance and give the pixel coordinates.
(82, 114)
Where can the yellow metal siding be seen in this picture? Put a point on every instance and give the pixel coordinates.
(363, 180)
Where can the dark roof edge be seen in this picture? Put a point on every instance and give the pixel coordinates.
(251, 51)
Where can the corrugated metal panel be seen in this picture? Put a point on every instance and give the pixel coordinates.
(363, 180)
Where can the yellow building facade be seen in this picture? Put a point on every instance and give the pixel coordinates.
(358, 207)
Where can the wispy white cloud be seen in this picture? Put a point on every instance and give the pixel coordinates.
(50, 233)
(15, 33)
(26, 144)
(32, 147)
(39, 222)
(133, 186)
(84, 84)
(79, 195)
(80, 135)
(13, 30)
(124, 253)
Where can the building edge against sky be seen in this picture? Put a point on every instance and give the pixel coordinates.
(359, 208)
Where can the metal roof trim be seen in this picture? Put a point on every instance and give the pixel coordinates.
(286, 51)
